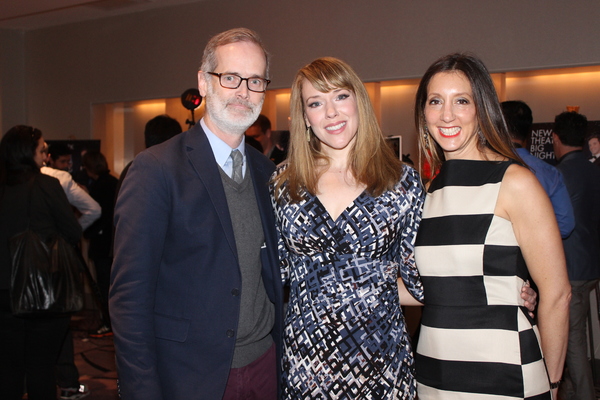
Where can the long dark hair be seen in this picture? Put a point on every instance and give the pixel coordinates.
(17, 150)
(489, 113)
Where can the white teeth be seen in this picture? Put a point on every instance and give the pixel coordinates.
(335, 127)
(450, 131)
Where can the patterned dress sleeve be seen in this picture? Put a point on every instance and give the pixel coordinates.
(282, 249)
(413, 188)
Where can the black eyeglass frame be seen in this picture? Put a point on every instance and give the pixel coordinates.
(218, 75)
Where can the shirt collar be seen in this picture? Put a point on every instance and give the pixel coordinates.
(220, 149)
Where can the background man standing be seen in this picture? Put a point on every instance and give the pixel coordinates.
(582, 247)
(519, 119)
(594, 144)
(271, 142)
(196, 296)
(58, 165)
(88, 210)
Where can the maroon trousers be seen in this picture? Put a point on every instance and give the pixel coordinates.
(255, 381)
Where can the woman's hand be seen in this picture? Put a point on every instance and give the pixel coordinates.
(530, 297)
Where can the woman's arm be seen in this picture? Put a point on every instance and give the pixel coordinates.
(406, 299)
(411, 288)
(523, 201)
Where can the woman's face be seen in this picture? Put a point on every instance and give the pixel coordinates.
(333, 116)
(451, 116)
(39, 156)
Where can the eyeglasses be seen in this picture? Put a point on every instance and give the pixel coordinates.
(232, 81)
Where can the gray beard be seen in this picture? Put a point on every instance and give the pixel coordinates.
(218, 113)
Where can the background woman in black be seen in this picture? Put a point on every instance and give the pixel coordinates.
(29, 347)
(103, 189)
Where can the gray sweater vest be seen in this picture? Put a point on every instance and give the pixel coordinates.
(256, 310)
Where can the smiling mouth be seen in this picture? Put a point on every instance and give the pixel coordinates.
(449, 132)
(336, 127)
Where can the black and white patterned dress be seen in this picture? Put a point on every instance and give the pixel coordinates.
(345, 336)
(477, 340)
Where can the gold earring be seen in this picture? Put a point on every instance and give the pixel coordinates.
(308, 133)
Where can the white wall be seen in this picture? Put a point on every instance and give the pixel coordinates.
(155, 54)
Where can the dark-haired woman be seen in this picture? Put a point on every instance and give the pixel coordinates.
(29, 346)
(103, 189)
(487, 226)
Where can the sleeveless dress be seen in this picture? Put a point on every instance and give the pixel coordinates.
(344, 335)
(477, 340)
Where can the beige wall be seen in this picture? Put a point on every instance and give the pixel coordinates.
(62, 72)
(548, 93)
(12, 79)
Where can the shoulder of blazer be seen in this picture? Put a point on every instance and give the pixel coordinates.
(259, 162)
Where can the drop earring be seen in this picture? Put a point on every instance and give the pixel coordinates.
(481, 138)
(308, 133)
(426, 137)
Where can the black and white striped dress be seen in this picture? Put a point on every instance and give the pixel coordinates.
(477, 340)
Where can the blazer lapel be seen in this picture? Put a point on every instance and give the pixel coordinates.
(203, 161)
(260, 179)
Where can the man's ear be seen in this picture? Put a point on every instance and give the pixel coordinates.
(202, 84)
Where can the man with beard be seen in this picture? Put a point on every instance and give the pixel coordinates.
(196, 297)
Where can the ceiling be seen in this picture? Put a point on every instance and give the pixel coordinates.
(35, 14)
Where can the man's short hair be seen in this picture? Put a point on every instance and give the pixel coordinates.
(263, 123)
(593, 136)
(58, 150)
(209, 58)
(571, 127)
(160, 129)
(518, 117)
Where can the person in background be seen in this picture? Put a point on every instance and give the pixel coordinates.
(67, 375)
(59, 156)
(87, 208)
(281, 139)
(594, 145)
(103, 189)
(196, 296)
(487, 226)
(249, 140)
(582, 247)
(156, 131)
(29, 347)
(261, 131)
(519, 119)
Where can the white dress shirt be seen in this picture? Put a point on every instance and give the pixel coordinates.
(78, 198)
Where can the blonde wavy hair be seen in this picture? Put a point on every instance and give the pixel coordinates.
(372, 162)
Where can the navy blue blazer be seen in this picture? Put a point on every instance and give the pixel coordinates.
(582, 247)
(174, 298)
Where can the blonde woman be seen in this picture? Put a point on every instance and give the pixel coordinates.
(347, 213)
